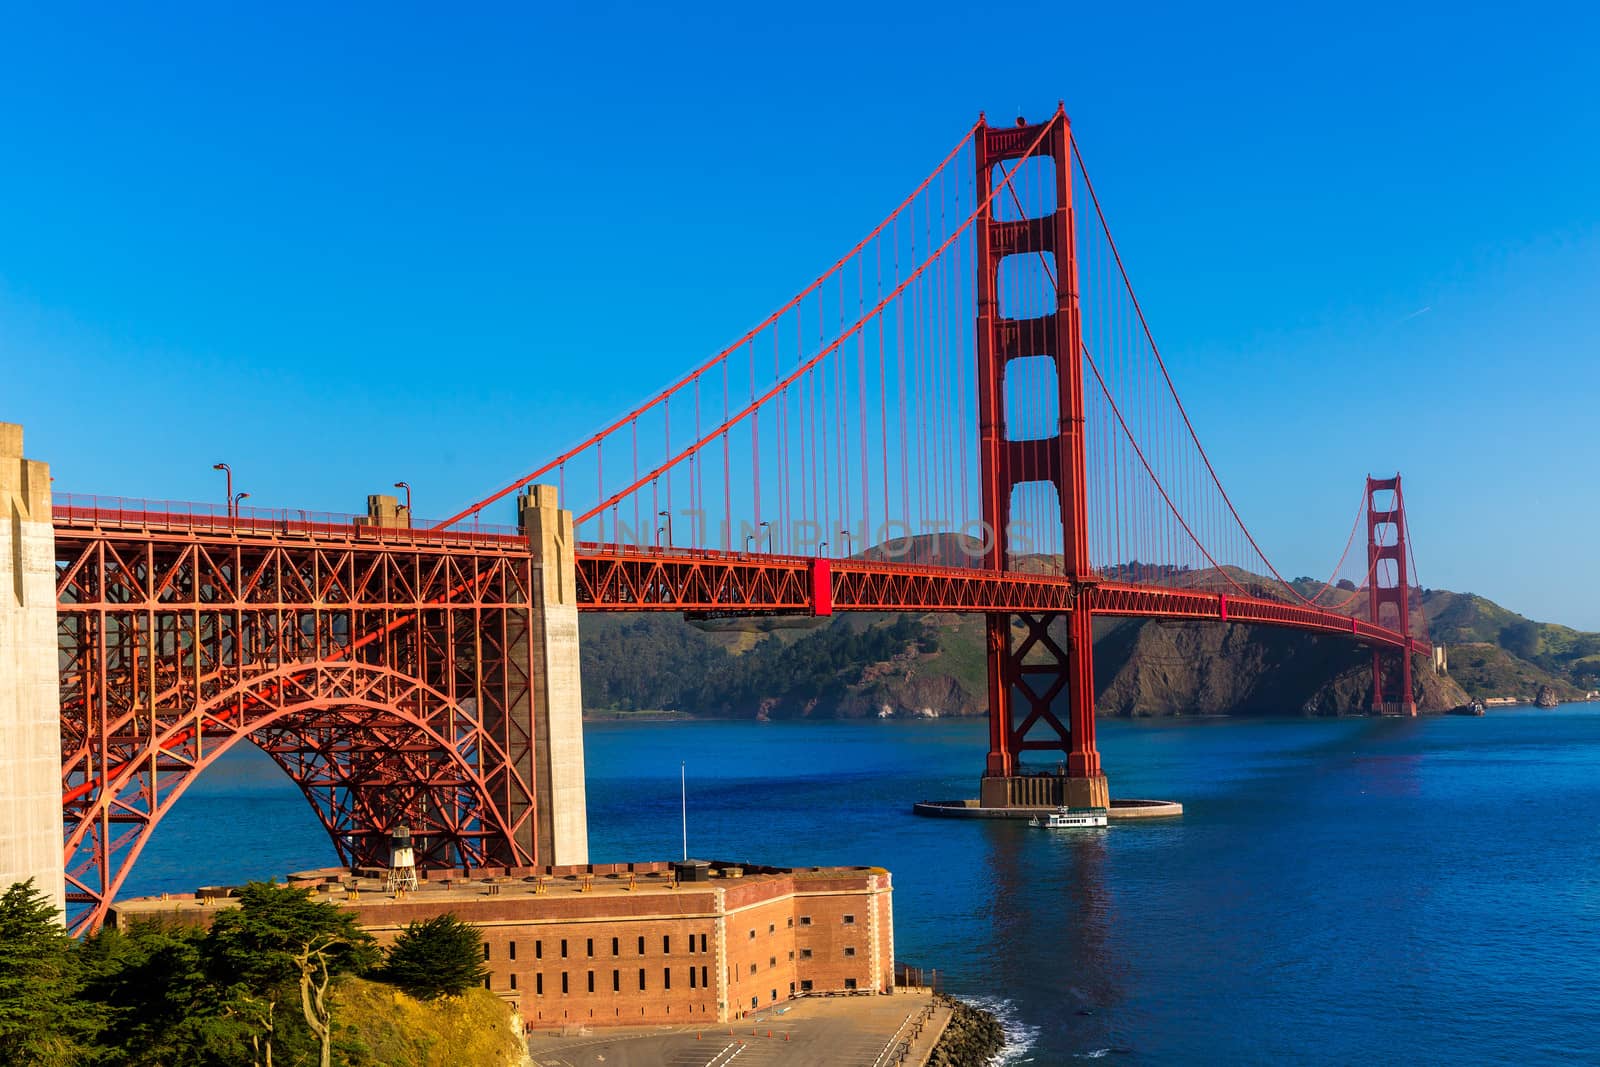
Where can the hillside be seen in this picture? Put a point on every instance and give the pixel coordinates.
(861, 665)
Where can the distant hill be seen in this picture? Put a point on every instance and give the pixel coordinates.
(854, 665)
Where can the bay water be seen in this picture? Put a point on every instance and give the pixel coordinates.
(1338, 890)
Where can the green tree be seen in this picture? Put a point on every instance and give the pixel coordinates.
(1521, 638)
(160, 1005)
(41, 1021)
(280, 945)
(442, 956)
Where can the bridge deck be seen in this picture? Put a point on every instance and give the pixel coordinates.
(614, 577)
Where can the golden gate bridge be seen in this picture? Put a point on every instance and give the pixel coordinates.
(967, 412)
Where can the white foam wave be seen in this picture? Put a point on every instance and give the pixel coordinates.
(1020, 1036)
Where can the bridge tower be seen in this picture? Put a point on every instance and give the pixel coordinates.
(1041, 686)
(1390, 588)
(30, 700)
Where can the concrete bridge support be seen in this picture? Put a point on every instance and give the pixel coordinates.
(557, 690)
(30, 699)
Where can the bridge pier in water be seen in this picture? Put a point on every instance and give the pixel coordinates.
(30, 702)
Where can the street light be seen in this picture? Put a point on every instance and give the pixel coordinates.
(228, 500)
(846, 535)
(236, 498)
(668, 516)
(820, 546)
(767, 526)
(407, 487)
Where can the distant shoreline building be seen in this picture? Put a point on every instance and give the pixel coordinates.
(628, 943)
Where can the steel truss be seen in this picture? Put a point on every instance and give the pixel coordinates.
(391, 681)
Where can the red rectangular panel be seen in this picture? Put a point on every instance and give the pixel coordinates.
(821, 587)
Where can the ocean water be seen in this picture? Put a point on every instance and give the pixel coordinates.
(1338, 891)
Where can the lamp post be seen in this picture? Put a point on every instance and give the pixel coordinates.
(847, 549)
(668, 516)
(236, 498)
(227, 470)
(767, 526)
(820, 546)
(407, 487)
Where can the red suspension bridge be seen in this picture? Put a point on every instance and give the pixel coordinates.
(967, 412)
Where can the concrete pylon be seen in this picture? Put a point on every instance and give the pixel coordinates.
(563, 820)
(31, 840)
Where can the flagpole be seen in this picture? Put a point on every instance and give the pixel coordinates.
(683, 798)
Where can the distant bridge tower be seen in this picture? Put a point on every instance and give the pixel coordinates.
(1041, 688)
(1390, 589)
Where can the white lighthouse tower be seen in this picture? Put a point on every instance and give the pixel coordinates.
(402, 861)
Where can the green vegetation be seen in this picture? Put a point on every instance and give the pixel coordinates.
(436, 957)
(274, 980)
(658, 662)
(853, 665)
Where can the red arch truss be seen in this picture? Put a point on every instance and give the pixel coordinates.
(390, 680)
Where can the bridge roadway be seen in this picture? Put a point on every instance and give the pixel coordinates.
(614, 577)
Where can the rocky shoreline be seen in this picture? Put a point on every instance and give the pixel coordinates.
(972, 1038)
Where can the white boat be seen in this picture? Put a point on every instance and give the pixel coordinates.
(1065, 818)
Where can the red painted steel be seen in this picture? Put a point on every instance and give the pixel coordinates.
(1007, 462)
(390, 677)
(1389, 589)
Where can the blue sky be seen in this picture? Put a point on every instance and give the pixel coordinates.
(342, 248)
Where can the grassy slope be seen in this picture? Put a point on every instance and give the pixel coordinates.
(377, 1024)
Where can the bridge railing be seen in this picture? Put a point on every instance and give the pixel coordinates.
(183, 516)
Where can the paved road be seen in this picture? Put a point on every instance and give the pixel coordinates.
(811, 1032)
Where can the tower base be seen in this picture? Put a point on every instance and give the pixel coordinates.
(1043, 791)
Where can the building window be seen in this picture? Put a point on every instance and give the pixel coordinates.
(849, 952)
(641, 945)
(666, 944)
(486, 950)
(774, 994)
(791, 989)
(591, 947)
(805, 920)
(666, 978)
(703, 982)
(772, 928)
(538, 984)
(563, 981)
(790, 922)
(702, 942)
(563, 948)
(616, 949)
(791, 954)
(513, 979)
(752, 968)
(616, 981)
(805, 954)
(513, 948)
(805, 985)
(752, 934)
(849, 983)
(641, 977)
(591, 981)
(772, 961)
(755, 1002)
(486, 982)
(849, 920)
(692, 977)
(538, 949)
(691, 944)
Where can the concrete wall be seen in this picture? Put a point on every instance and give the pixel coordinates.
(30, 698)
(557, 688)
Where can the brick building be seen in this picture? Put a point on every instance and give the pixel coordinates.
(634, 943)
